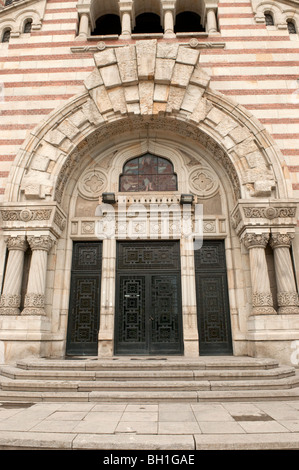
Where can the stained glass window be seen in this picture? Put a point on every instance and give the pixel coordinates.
(148, 173)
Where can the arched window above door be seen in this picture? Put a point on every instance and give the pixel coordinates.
(148, 173)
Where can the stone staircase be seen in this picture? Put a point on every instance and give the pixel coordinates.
(146, 379)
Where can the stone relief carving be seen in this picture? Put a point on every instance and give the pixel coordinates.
(43, 242)
(254, 240)
(203, 182)
(26, 215)
(92, 184)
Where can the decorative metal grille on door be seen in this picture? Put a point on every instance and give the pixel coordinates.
(212, 299)
(148, 303)
(84, 307)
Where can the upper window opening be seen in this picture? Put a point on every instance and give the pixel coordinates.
(188, 22)
(291, 27)
(148, 173)
(269, 19)
(148, 23)
(6, 36)
(28, 26)
(8, 2)
(107, 24)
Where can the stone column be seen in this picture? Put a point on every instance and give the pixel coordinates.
(10, 300)
(211, 21)
(190, 330)
(287, 296)
(262, 301)
(84, 25)
(35, 297)
(168, 12)
(106, 332)
(126, 9)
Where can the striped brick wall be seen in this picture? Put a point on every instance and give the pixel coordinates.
(259, 68)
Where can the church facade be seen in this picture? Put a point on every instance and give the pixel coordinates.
(149, 178)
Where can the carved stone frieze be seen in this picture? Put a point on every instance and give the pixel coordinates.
(287, 299)
(9, 304)
(26, 215)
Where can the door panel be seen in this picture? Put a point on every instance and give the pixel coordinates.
(213, 314)
(165, 319)
(84, 306)
(131, 322)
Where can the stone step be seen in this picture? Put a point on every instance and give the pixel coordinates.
(129, 375)
(150, 397)
(152, 380)
(162, 374)
(135, 363)
(151, 385)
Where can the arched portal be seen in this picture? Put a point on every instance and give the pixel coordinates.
(150, 98)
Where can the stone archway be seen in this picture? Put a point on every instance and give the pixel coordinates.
(145, 89)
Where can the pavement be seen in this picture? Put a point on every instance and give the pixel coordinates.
(264, 425)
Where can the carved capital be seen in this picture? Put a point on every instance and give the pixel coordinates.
(43, 242)
(16, 243)
(255, 240)
(279, 240)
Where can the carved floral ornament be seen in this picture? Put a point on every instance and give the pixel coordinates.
(92, 184)
(203, 182)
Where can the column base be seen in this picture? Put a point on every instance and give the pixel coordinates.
(288, 309)
(263, 310)
(33, 311)
(9, 311)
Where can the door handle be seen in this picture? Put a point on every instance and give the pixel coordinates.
(151, 318)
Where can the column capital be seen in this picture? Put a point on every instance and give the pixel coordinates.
(255, 240)
(279, 240)
(41, 242)
(16, 243)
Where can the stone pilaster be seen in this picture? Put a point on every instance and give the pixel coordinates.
(35, 297)
(287, 296)
(10, 300)
(107, 298)
(262, 301)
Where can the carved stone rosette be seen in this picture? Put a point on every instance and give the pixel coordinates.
(287, 297)
(10, 300)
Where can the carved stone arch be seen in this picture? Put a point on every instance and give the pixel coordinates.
(276, 9)
(141, 88)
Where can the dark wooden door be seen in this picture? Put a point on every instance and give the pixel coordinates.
(148, 299)
(84, 306)
(213, 315)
